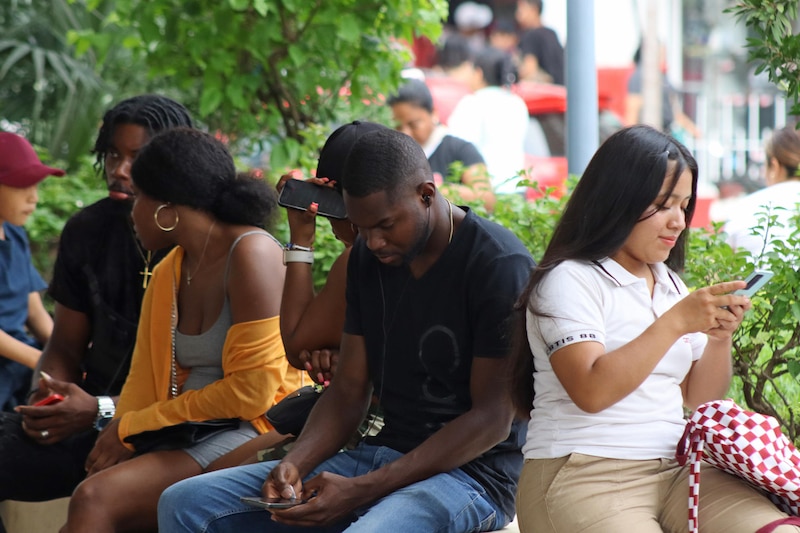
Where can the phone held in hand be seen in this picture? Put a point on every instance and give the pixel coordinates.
(50, 400)
(755, 281)
(272, 503)
(299, 194)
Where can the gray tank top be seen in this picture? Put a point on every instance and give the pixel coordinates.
(202, 354)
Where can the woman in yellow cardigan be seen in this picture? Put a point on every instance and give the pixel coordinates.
(208, 344)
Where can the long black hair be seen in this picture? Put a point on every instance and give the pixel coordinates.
(498, 67)
(153, 112)
(623, 179)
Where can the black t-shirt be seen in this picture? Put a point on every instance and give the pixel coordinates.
(450, 150)
(98, 272)
(543, 43)
(422, 334)
(635, 87)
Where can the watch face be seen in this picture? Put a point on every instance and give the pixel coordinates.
(101, 423)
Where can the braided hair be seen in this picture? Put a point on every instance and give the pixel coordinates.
(153, 112)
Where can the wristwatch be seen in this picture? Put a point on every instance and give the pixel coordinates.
(105, 412)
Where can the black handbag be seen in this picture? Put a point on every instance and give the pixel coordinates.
(289, 415)
(181, 435)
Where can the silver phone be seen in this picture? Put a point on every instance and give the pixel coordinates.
(755, 281)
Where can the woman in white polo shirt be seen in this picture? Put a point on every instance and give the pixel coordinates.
(619, 348)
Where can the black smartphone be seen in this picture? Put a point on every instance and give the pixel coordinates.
(299, 194)
(272, 503)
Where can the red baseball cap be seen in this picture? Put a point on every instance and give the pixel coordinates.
(20, 167)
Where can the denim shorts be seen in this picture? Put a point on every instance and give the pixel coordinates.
(215, 447)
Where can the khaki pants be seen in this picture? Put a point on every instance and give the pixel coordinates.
(582, 493)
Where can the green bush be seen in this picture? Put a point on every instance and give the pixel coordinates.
(766, 347)
(60, 198)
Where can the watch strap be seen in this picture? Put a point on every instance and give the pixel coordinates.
(105, 409)
(298, 256)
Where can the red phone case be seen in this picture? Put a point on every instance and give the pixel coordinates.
(50, 400)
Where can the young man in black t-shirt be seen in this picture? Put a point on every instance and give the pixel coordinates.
(429, 290)
(541, 53)
(98, 284)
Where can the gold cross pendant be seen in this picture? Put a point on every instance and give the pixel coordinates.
(146, 274)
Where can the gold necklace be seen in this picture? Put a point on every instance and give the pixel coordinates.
(146, 273)
(202, 255)
(450, 206)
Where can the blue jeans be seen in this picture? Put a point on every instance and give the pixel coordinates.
(450, 502)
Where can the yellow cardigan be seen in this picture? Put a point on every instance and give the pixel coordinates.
(256, 372)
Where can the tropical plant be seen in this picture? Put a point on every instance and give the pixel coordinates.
(267, 69)
(51, 95)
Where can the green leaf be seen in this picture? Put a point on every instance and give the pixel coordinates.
(348, 28)
(21, 50)
(210, 101)
(239, 5)
(261, 7)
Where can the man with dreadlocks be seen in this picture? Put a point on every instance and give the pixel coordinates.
(98, 283)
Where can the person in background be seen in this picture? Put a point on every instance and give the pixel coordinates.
(25, 325)
(747, 227)
(98, 283)
(471, 20)
(412, 108)
(208, 345)
(503, 36)
(429, 288)
(541, 54)
(494, 119)
(673, 117)
(454, 59)
(615, 347)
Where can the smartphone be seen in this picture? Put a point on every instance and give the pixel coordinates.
(754, 281)
(299, 194)
(50, 400)
(272, 503)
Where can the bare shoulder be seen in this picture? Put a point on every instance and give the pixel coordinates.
(255, 277)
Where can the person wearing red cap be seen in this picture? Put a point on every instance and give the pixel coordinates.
(25, 325)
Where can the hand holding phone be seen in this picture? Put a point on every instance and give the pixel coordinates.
(755, 281)
(299, 194)
(272, 503)
(50, 400)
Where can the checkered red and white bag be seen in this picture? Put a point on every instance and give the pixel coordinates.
(746, 444)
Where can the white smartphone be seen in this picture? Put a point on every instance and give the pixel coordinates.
(755, 281)
(272, 503)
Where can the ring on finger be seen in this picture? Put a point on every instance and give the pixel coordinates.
(44, 434)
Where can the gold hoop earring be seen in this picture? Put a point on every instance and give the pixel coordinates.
(162, 228)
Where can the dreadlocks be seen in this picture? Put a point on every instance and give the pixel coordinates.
(153, 112)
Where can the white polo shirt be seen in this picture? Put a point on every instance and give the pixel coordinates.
(605, 303)
(495, 120)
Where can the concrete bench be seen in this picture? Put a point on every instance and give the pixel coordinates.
(34, 517)
(48, 517)
(510, 528)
